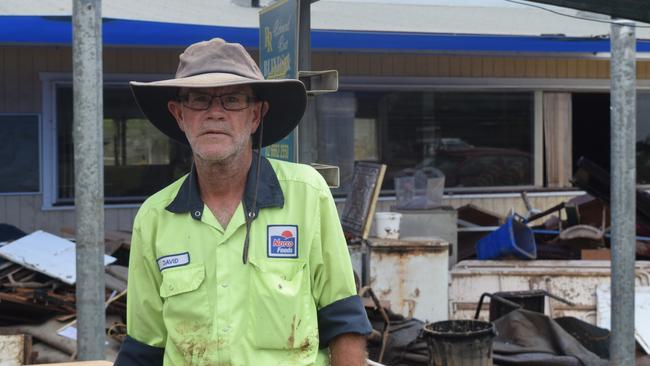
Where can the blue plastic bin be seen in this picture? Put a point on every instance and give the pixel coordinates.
(513, 238)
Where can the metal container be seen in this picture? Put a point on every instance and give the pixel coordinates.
(575, 281)
(412, 275)
(438, 222)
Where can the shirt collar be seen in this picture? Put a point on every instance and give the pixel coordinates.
(269, 192)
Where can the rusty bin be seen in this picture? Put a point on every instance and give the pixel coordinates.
(460, 342)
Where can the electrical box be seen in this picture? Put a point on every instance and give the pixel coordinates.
(320, 82)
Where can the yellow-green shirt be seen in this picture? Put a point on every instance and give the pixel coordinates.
(193, 301)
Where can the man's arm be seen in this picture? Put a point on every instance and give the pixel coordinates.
(340, 310)
(146, 334)
(348, 349)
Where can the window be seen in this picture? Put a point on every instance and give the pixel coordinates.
(591, 131)
(138, 159)
(479, 140)
(19, 149)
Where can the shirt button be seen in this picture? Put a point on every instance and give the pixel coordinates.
(226, 329)
(224, 285)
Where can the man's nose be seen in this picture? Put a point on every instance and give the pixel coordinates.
(216, 106)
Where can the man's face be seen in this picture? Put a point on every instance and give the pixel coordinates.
(216, 134)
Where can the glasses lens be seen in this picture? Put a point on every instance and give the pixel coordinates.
(235, 101)
(198, 100)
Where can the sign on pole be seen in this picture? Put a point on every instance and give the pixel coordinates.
(279, 60)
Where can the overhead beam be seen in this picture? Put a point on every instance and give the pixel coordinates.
(626, 9)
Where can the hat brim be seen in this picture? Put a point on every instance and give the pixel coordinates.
(287, 101)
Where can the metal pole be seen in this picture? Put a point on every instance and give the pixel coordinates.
(89, 177)
(623, 204)
(308, 131)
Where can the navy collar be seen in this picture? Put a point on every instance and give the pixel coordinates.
(269, 192)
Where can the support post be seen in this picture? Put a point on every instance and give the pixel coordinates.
(89, 177)
(308, 131)
(623, 187)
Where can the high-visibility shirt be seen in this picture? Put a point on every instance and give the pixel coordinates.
(192, 300)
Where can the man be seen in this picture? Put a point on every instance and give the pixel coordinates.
(242, 261)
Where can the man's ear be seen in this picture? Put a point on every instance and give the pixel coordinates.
(265, 108)
(175, 109)
(260, 113)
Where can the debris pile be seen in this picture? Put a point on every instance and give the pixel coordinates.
(37, 294)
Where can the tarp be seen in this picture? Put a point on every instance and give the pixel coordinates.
(527, 338)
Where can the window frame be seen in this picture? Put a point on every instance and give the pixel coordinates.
(49, 147)
(39, 127)
(476, 84)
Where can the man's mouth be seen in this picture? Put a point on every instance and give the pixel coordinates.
(211, 133)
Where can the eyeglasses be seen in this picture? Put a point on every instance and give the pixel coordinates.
(229, 102)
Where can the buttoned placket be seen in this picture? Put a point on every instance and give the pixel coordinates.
(222, 331)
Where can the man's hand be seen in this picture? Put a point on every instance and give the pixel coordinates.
(348, 349)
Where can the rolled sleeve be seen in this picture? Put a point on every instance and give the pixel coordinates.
(134, 353)
(344, 316)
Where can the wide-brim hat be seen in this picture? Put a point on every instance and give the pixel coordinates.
(216, 63)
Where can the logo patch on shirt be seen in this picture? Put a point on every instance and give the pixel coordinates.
(174, 260)
(282, 241)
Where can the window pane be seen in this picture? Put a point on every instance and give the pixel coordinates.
(592, 135)
(477, 139)
(138, 159)
(20, 153)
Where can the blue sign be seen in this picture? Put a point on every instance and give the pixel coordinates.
(279, 60)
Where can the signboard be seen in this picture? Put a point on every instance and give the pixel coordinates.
(279, 60)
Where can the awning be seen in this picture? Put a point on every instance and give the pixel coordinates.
(37, 30)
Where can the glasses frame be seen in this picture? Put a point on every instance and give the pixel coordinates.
(184, 99)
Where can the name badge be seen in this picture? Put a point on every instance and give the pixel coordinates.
(174, 260)
(282, 241)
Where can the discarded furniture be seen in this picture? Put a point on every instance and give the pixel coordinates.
(573, 280)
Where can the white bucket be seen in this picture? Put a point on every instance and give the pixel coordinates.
(387, 224)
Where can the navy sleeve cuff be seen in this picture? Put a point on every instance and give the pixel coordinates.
(134, 353)
(344, 316)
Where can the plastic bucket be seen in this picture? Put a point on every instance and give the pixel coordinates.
(459, 343)
(511, 239)
(387, 224)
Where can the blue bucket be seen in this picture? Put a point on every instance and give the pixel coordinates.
(513, 238)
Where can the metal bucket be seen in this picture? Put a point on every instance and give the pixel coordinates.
(460, 343)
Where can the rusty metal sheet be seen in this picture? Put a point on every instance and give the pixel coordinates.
(418, 244)
(47, 254)
(411, 276)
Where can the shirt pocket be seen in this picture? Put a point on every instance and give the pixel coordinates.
(282, 310)
(183, 296)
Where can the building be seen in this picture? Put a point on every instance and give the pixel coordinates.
(501, 97)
